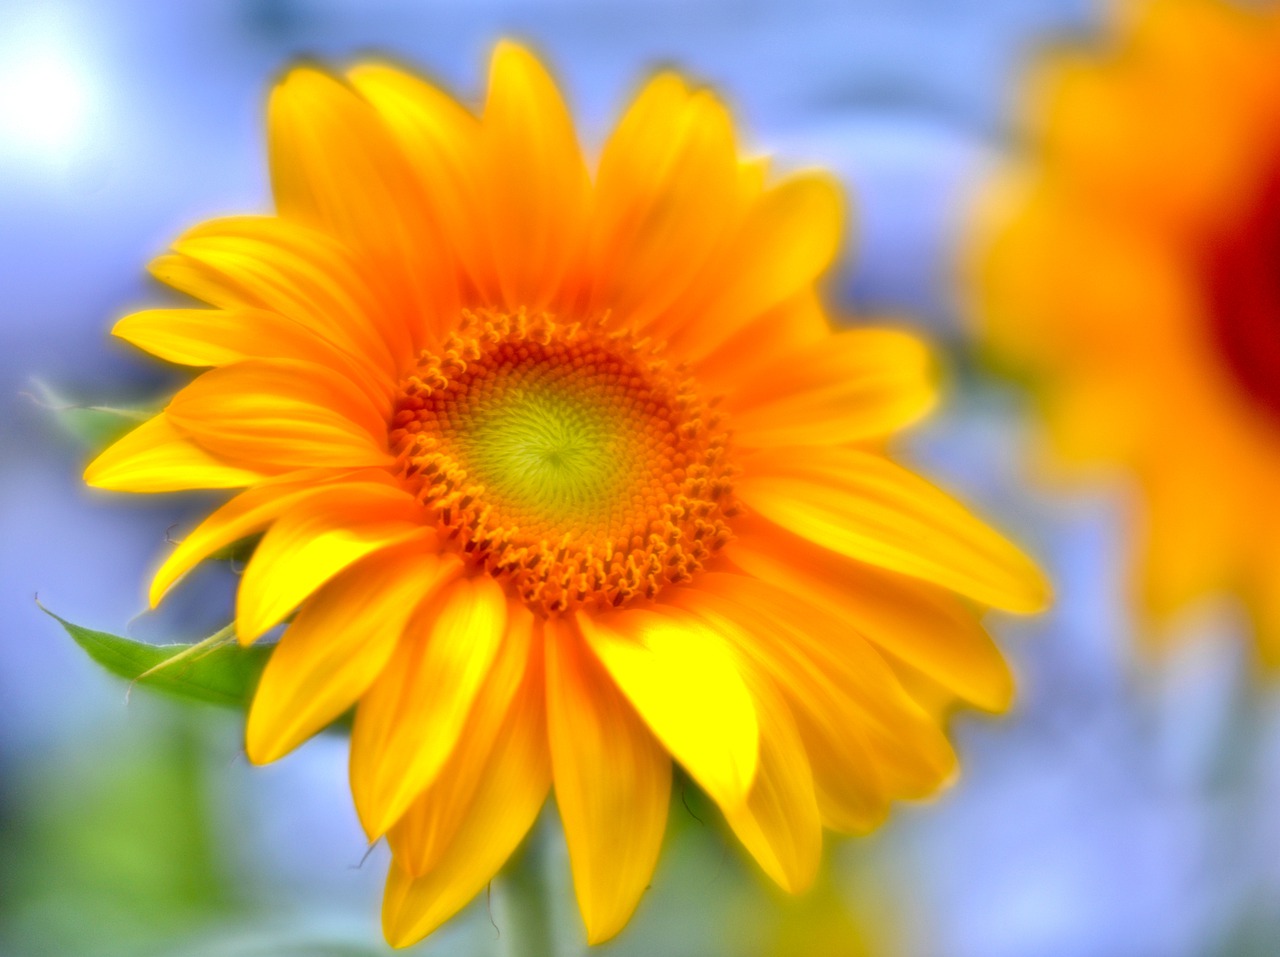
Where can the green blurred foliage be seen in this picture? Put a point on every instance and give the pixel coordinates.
(113, 855)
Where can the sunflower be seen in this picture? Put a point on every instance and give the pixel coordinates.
(1131, 263)
(559, 478)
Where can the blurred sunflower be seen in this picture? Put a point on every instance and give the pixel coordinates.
(565, 478)
(1133, 265)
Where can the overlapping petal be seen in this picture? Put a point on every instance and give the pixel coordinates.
(665, 199)
(422, 835)
(536, 191)
(682, 679)
(511, 790)
(158, 456)
(286, 267)
(862, 506)
(317, 538)
(336, 647)
(323, 137)
(852, 386)
(780, 822)
(282, 414)
(411, 720)
(612, 783)
(920, 624)
(788, 237)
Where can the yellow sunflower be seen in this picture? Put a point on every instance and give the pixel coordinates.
(1132, 262)
(565, 477)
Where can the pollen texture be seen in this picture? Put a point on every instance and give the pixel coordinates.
(569, 460)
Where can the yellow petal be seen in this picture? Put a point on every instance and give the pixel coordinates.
(324, 137)
(789, 238)
(264, 262)
(283, 414)
(535, 186)
(217, 337)
(159, 457)
(864, 507)
(409, 723)
(852, 386)
(852, 793)
(419, 839)
(317, 538)
(248, 514)
(681, 677)
(847, 701)
(612, 783)
(511, 791)
(779, 823)
(919, 623)
(336, 647)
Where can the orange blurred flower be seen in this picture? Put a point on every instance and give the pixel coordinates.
(566, 477)
(1133, 262)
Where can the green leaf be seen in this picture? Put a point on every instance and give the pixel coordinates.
(93, 426)
(217, 670)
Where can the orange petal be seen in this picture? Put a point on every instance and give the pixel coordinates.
(682, 679)
(779, 823)
(284, 414)
(665, 196)
(864, 507)
(793, 325)
(534, 181)
(410, 722)
(849, 387)
(159, 457)
(918, 623)
(336, 647)
(323, 138)
(789, 237)
(848, 702)
(218, 337)
(511, 791)
(612, 781)
(317, 538)
(420, 838)
(264, 262)
(442, 141)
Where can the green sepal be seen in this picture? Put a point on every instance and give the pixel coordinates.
(218, 670)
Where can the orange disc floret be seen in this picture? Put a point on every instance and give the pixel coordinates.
(572, 462)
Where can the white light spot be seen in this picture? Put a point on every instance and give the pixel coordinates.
(47, 92)
(43, 104)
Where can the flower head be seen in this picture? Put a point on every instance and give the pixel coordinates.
(1133, 262)
(562, 477)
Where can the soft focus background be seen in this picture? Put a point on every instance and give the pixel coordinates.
(1127, 808)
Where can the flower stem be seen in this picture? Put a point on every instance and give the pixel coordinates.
(528, 903)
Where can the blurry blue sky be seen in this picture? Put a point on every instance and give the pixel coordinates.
(1093, 822)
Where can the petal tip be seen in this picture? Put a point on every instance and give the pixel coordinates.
(599, 933)
(1037, 595)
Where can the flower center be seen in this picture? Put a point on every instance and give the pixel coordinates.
(570, 461)
(1244, 294)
